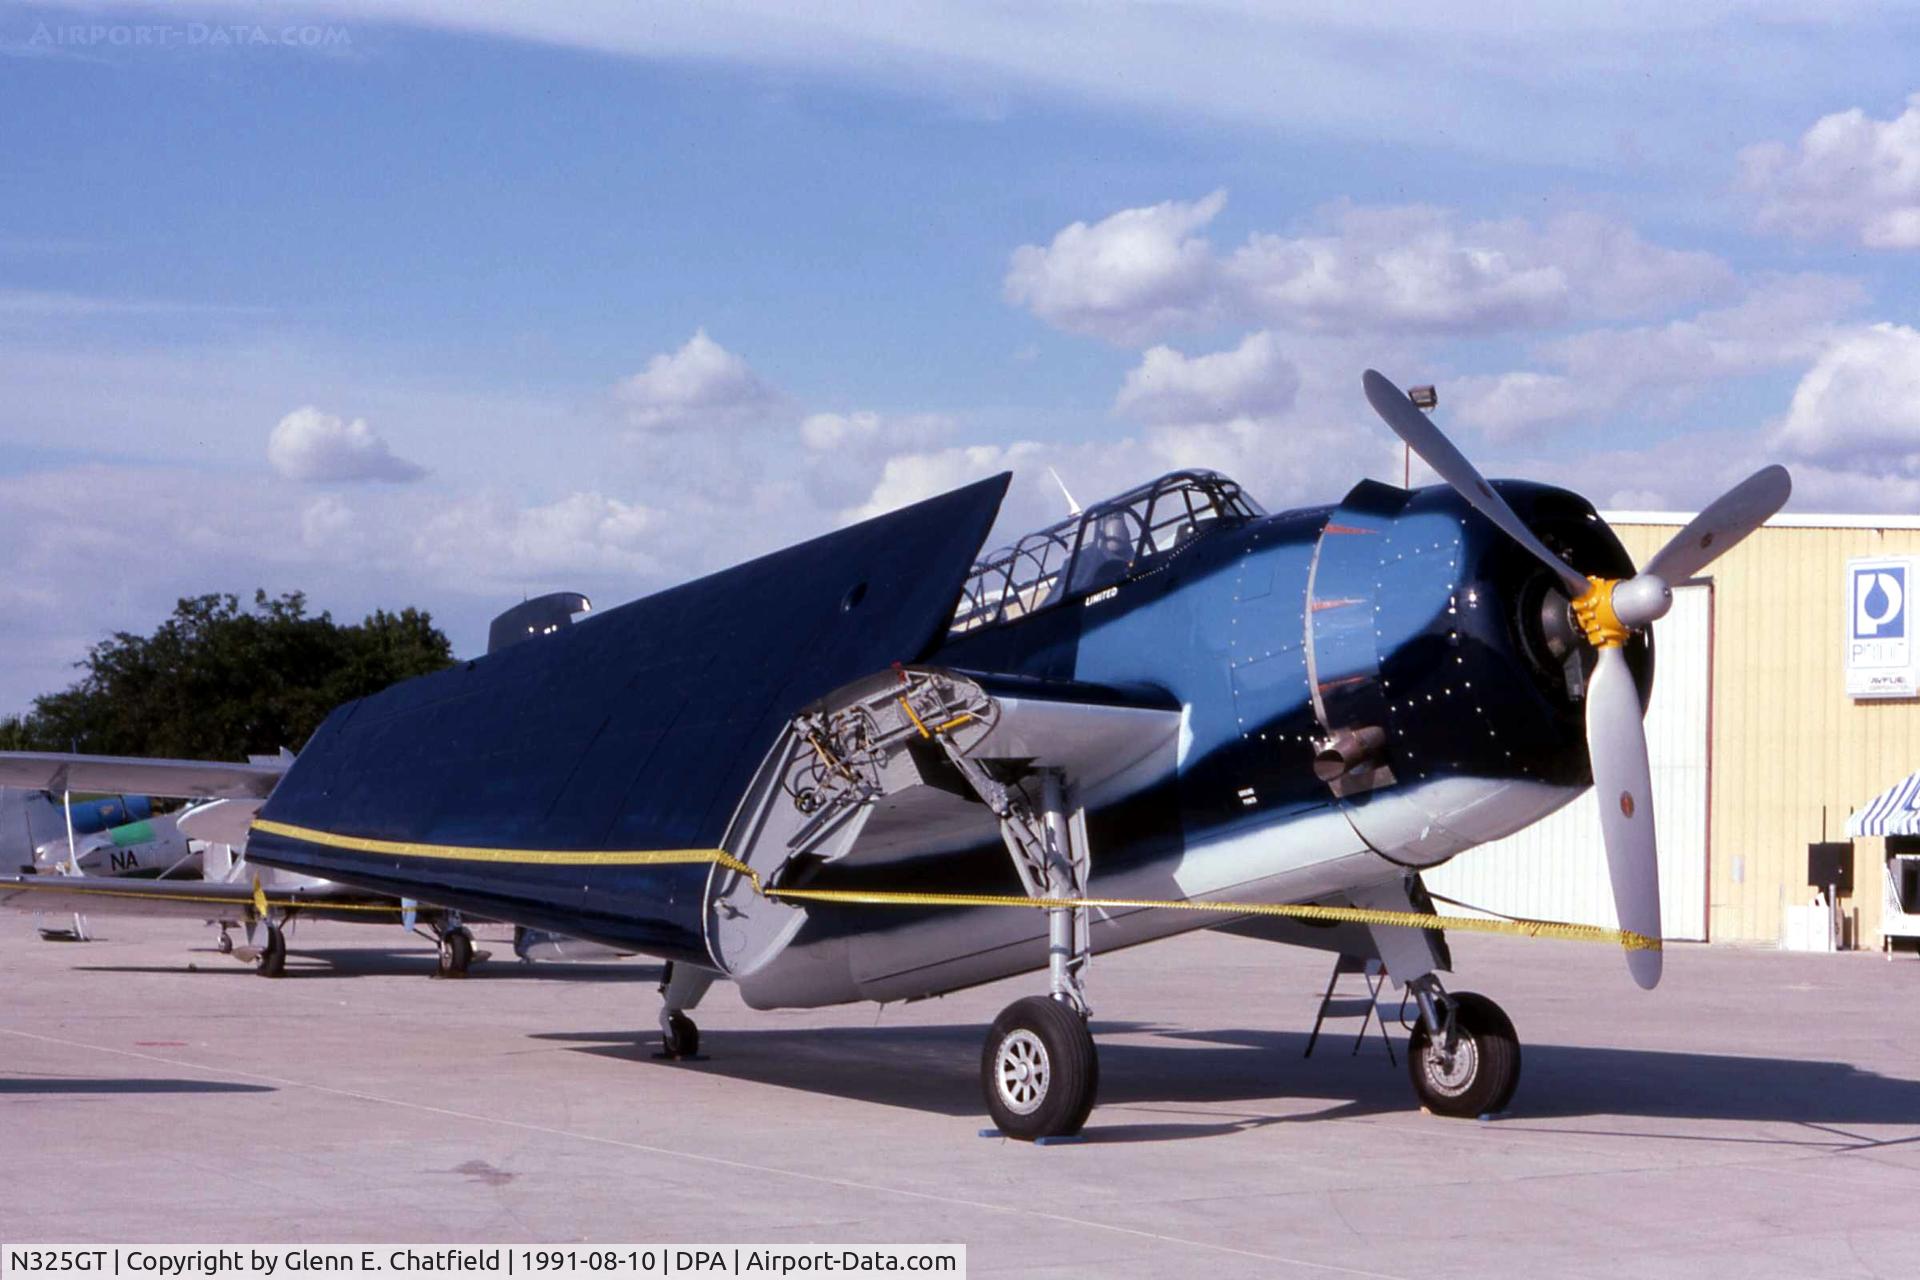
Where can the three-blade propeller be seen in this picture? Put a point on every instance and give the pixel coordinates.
(1608, 612)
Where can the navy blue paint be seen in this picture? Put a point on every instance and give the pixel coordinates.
(641, 728)
(1223, 630)
(638, 728)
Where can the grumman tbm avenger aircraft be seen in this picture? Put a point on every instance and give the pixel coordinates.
(829, 774)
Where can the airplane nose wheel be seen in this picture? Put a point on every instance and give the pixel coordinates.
(1039, 1069)
(1477, 1075)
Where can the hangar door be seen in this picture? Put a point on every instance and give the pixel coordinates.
(1557, 868)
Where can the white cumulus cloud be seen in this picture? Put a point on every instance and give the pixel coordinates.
(1254, 379)
(1126, 278)
(326, 522)
(907, 478)
(1858, 408)
(1784, 322)
(1848, 175)
(1147, 272)
(701, 385)
(318, 447)
(864, 429)
(489, 539)
(1403, 268)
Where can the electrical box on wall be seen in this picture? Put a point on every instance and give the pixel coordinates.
(1830, 863)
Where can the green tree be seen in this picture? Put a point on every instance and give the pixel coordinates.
(215, 681)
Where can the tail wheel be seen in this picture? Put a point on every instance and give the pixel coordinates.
(1039, 1069)
(456, 953)
(679, 1038)
(1481, 1073)
(273, 956)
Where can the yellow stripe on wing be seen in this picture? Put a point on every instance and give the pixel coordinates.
(525, 857)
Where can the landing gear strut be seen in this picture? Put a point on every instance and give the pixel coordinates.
(1039, 1069)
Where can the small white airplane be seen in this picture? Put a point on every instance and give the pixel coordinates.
(105, 835)
(213, 832)
(231, 893)
(32, 821)
(150, 848)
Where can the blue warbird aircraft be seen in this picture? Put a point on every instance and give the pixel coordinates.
(822, 775)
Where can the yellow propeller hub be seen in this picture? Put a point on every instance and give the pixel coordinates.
(1594, 612)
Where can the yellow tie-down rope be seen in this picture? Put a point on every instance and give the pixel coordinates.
(879, 898)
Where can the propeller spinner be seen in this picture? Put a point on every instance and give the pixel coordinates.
(1608, 612)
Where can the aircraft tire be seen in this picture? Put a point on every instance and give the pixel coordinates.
(273, 956)
(456, 954)
(681, 1037)
(1039, 1069)
(1486, 1066)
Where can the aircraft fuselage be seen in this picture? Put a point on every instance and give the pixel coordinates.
(1398, 623)
(1400, 612)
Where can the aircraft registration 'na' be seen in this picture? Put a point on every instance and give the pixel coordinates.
(825, 774)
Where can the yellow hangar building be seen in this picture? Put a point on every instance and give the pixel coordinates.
(1785, 715)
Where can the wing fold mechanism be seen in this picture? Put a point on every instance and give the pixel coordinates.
(920, 761)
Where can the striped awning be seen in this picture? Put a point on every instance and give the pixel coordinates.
(1894, 812)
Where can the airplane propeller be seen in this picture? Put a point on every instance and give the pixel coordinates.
(1608, 612)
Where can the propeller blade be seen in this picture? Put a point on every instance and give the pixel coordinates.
(1728, 518)
(1623, 784)
(1427, 440)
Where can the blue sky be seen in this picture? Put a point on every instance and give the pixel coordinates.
(436, 303)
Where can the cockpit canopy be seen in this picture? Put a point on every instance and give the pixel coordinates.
(1109, 542)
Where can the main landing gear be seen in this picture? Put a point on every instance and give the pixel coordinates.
(1039, 1069)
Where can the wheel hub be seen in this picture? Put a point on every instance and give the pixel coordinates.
(1453, 1073)
(1022, 1072)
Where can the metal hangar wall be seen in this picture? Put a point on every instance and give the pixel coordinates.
(1780, 751)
